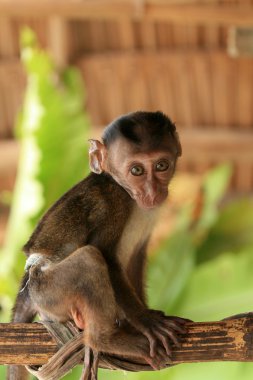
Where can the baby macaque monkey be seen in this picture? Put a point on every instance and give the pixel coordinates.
(86, 257)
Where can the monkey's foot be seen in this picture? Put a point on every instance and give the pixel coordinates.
(91, 359)
(162, 331)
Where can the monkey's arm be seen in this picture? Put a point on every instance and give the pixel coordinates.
(153, 324)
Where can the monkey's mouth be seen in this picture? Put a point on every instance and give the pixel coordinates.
(151, 203)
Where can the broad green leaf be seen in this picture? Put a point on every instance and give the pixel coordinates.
(231, 232)
(216, 182)
(169, 271)
(219, 288)
(214, 186)
(52, 128)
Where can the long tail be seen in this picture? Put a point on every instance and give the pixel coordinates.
(23, 312)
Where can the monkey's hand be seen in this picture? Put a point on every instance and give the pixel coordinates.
(180, 320)
(161, 330)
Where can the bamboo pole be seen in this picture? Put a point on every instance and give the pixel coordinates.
(227, 340)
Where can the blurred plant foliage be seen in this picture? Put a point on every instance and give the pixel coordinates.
(52, 130)
(201, 271)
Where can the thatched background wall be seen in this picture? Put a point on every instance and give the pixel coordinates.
(168, 55)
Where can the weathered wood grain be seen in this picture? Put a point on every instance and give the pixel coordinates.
(25, 344)
(228, 340)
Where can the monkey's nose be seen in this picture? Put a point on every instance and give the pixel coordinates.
(156, 198)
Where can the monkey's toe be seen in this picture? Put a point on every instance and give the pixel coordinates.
(165, 332)
(160, 360)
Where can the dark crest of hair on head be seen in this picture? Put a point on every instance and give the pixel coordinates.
(134, 127)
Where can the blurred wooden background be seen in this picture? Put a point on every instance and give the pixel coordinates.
(143, 54)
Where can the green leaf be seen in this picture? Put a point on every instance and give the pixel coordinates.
(219, 288)
(214, 186)
(231, 232)
(52, 128)
(169, 271)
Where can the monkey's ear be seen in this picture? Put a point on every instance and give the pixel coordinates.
(96, 156)
(179, 147)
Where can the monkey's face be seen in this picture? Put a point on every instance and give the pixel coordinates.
(144, 175)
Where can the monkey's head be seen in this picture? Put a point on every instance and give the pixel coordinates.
(139, 150)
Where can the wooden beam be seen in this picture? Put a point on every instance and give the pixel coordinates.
(228, 340)
(191, 14)
(216, 145)
(202, 14)
(213, 144)
(95, 9)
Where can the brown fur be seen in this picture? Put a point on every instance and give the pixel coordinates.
(90, 254)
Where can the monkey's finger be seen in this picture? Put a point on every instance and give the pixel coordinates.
(158, 362)
(179, 320)
(153, 362)
(153, 338)
(172, 325)
(163, 356)
(152, 343)
(150, 336)
(166, 359)
(172, 335)
(165, 341)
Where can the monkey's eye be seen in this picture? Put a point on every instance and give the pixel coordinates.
(137, 170)
(162, 166)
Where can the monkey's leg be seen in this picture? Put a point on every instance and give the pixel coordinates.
(79, 288)
(25, 312)
(127, 342)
